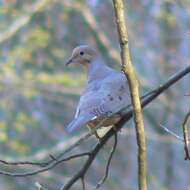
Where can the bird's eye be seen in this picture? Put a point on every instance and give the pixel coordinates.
(81, 53)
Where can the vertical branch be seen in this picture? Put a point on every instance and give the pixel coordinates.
(185, 136)
(130, 73)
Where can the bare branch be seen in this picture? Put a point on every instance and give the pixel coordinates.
(42, 164)
(83, 183)
(108, 163)
(185, 136)
(172, 133)
(81, 173)
(130, 73)
(49, 166)
(39, 186)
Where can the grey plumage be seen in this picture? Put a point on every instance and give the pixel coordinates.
(106, 91)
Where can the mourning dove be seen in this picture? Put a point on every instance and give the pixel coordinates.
(106, 91)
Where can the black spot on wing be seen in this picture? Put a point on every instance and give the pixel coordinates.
(120, 98)
(110, 97)
(121, 88)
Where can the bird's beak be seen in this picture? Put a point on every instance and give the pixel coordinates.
(68, 62)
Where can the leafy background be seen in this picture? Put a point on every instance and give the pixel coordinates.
(38, 94)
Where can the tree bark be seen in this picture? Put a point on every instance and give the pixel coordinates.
(130, 73)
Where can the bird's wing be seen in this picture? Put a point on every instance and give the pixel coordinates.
(78, 122)
(116, 92)
(84, 112)
(110, 97)
(87, 98)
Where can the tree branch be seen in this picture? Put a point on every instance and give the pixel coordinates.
(100, 183)
(185, 136)
(130, 73)
(81, 173)
(45, 166)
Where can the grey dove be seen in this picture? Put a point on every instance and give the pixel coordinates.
(106, 91)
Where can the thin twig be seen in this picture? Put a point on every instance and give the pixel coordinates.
(21, 163)
(83, 183)
(185, 136)
(172, 133)
(108, 163)
(46, 168)
(81, 173)
(39, 186)
(41, 164)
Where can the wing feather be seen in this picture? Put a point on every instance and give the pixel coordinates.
(110, 97)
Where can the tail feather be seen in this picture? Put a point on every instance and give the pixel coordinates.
(77, 123)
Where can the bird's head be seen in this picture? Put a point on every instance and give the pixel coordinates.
(83, 54)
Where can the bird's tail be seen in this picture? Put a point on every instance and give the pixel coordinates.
(77, 123)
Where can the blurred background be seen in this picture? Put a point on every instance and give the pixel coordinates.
(38, 94)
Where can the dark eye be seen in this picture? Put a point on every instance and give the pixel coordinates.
(81, 53)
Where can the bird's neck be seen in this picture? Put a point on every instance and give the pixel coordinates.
(97, 70)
